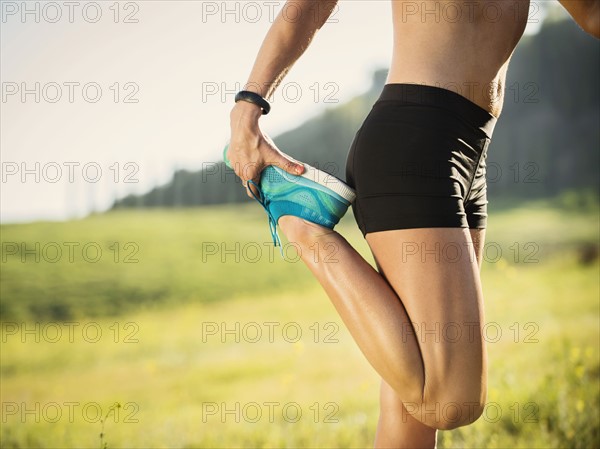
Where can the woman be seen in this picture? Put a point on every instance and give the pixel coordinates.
(417, 166)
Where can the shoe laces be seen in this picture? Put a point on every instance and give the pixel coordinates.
(265, 202)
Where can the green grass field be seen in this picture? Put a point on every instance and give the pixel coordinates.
(152, 323)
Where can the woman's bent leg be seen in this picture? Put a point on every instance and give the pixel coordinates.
(365, 301)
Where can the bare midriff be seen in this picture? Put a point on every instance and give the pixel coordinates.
(460, 45)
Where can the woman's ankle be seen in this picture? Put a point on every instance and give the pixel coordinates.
(303, 232)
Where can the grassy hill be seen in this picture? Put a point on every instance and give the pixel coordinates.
(121, 261)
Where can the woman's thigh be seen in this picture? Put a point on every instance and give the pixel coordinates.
(435, 273)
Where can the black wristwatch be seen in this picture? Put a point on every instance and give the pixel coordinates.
(253, 97)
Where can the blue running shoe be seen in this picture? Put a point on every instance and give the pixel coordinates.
(315, 196)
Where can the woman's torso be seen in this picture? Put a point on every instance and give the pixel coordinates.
(461, 45)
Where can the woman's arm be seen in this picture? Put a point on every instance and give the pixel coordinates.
(586, 13)
(289, 36)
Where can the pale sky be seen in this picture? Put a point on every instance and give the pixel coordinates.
(138, 89)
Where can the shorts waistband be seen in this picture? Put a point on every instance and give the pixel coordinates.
(442, 98)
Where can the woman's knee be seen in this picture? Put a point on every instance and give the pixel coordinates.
(448, 413)
(447, 407)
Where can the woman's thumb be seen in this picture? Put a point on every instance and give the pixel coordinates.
(289, 165)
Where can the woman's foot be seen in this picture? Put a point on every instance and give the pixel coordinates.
(314, 196)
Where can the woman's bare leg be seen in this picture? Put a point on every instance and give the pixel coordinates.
(435, 273)
(365, 301)
(397, 428)
(440, 380)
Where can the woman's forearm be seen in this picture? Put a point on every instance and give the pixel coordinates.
(586, 13)
(250, 150)
(287, 39)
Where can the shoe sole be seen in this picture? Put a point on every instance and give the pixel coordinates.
(317, 176)
(327, 182)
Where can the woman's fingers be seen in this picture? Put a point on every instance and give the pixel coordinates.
(290, 165)
(282, 160)
(248, 161)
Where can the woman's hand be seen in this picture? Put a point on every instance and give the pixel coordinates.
(250, 151)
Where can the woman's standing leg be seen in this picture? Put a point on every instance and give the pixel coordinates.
(435, 273)
(442, 380)
(397, 428)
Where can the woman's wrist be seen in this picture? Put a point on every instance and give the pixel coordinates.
(245, 111)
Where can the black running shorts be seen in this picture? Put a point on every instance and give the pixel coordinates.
(418, 161)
